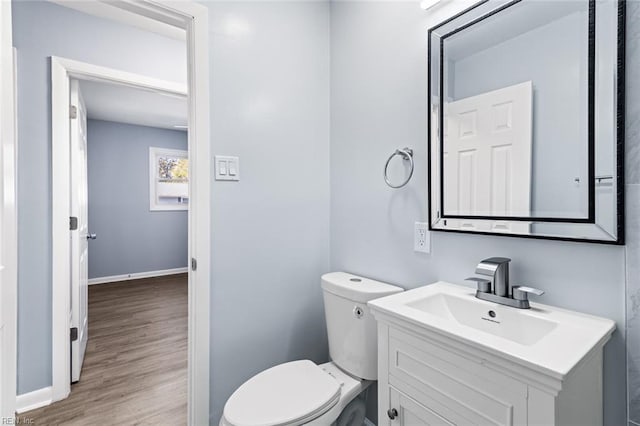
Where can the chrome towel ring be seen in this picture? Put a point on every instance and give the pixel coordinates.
(407, 155)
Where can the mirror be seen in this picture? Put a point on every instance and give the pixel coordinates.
(526, 131)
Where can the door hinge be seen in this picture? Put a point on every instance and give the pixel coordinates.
(194, 264)
(73, 223)
(74, 334)
(73, 111)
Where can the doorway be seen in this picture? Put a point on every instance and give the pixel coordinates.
(129, 203)
(65, 73)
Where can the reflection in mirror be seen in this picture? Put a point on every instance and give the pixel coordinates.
(525, 119)
(506, 109)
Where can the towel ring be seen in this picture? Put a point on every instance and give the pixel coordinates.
(407, 155)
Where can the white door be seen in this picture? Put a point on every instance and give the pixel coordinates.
(80, 236)
(487, 158)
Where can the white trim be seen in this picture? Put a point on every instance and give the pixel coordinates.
(60, 241)
(32, 400)
(8, 217)
(87, 71)
(105, 10)
(137, 275)
(200, 217)
(195, 19)
(368, 422)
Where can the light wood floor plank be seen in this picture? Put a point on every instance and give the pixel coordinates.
(135, 367)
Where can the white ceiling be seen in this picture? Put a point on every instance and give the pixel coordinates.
(123, 104)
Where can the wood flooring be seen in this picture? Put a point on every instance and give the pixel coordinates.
(135, 367)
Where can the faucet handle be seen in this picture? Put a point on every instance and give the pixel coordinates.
(484, 286)
(521, 292)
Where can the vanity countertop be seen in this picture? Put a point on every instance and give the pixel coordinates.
(545, 338)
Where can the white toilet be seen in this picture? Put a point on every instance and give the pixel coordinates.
(302, 392)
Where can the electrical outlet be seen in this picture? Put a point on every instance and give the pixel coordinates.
(421, 238)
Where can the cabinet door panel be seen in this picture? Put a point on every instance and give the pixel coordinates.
(411, 413)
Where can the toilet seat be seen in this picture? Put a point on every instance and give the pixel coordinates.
(287, 394)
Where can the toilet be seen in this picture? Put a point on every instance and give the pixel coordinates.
(303, 392)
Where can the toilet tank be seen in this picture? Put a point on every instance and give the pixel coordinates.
(352, 330)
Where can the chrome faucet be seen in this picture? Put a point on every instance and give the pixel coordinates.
(498, 269)
(499, 289)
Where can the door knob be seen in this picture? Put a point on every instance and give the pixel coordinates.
(392, 413)
(91, 236)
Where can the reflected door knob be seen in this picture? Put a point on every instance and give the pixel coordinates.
(91, 236)
(392, 413)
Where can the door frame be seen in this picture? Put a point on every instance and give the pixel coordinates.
(8, 217)
(194, 19)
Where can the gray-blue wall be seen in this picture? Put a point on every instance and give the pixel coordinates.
(42, 29)
(378, 104)
(131, 238)
(270, 230)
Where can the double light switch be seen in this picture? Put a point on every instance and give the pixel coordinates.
(227, 167)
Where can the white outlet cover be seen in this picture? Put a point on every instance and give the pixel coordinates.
(421, 238)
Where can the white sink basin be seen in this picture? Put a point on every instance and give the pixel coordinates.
(510, 324)
(550, 339)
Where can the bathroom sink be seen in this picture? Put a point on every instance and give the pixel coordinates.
(510, 324)
(545, 338)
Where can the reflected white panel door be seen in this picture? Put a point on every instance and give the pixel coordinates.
(487, 158)
(80, 236)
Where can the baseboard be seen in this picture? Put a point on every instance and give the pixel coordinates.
(32, 400)
(368, 422)
(137, 275)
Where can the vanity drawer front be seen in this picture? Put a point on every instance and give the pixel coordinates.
(476, 393)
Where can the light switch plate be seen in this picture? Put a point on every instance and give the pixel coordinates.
(421, 238)
(227, 167)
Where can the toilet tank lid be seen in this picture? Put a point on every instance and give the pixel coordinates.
(356, 288)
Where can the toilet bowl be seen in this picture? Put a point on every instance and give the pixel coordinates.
(305, 393)
(294, 393)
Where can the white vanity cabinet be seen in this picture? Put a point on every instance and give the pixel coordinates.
(430, 379)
